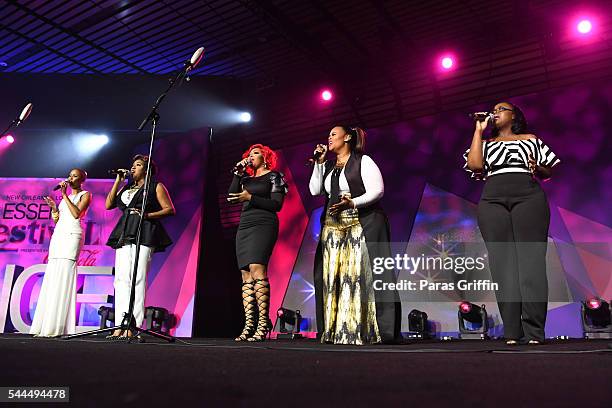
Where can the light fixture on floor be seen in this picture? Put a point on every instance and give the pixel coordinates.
(289, 317)
(473, 321)
(418, 325)
(596, 319)
(106, 314)
(155, 318)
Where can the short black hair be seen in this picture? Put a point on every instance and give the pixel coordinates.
(145, 159)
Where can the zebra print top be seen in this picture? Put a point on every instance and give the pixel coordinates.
(511, 156)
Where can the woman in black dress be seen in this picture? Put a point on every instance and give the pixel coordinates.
(261, 190)
(128, 199)
(513, 217)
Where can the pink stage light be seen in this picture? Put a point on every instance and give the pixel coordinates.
(326, 95)
(447, 62)
(593, 303)
(10, 139)
(584, 26)
(465, 307)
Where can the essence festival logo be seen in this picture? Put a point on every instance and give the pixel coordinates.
(24, 223)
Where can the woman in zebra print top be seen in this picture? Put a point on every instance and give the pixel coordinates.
(513, 217)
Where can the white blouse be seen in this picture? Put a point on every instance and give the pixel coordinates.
(372, 180)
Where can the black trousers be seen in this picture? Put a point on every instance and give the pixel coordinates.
(513, 216)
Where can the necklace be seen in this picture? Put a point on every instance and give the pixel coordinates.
(341, 163)
(131, 192)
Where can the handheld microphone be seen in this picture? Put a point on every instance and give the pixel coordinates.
(481, 116)
(25, 113)
(240, 167)
(315, 158)
(59, 185)
(316, 155)
(114, 172)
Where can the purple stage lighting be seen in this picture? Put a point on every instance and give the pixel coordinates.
(326, 95)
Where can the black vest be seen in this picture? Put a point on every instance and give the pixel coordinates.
(352, 172)
(152, 234)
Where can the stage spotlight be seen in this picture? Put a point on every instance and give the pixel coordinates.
(447, 62)
(87, 144)
(102, 139)
(596, 319)
(326, 95)
(473, 321)
(584, 26)
(418, 325)
(293, 318)
(155, 318)
(10, 139)
(106, 314)
(245, 117)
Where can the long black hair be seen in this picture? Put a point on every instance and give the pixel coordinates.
(519, 123)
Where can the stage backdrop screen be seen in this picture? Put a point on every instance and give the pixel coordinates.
(26, 228)
(431, 203)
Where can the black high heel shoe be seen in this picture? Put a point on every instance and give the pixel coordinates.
(250, 305)
(262, 333)
(114, 336)
(264, 324)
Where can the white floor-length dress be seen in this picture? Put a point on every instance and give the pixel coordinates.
(55, 310)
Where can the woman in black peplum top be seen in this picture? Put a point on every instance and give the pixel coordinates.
(261, 190)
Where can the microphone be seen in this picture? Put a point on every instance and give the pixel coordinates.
(315, 158)
(17, 121)
(114, 172)
(59, 185)
(195, 59)
(481, 116)
(25, 113)
(240, 167)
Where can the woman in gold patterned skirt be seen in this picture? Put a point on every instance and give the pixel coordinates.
(355, 230)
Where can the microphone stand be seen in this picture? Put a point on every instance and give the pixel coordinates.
(9, 127)
(128, 321)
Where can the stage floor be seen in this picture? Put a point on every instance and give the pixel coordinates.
(213, 372)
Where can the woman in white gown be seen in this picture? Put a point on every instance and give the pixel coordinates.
(55, 311)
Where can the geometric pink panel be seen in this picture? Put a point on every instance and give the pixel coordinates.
(292, 225)
(599, 271)
(174, 284)
(583, 230)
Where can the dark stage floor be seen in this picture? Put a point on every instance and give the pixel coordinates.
(220, 372)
